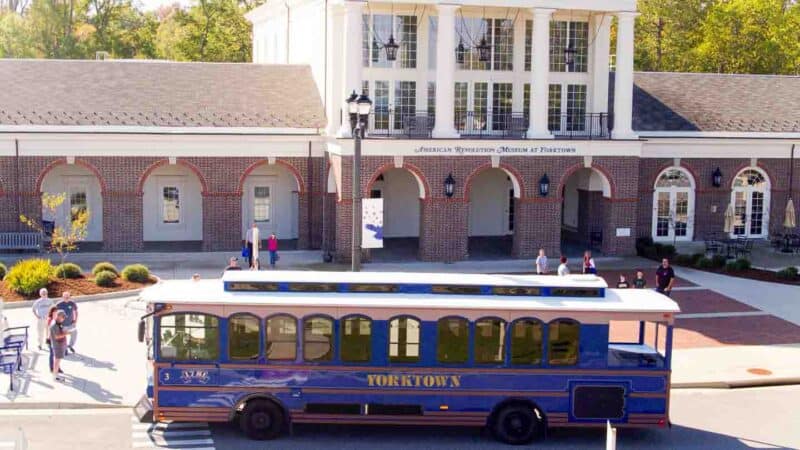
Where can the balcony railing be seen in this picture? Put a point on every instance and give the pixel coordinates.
(486, 125)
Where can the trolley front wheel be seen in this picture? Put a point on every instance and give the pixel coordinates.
(261, 420)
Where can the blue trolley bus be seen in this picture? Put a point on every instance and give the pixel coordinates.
(514, 353)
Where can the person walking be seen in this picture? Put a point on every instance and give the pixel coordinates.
(51, 319)
(41, 307)
(251, 238)
(665, 278)
(58, 342)
(70, 309)
(563, 269)
(588, 263)
(639, 282)
(272, 247)
(541, 263)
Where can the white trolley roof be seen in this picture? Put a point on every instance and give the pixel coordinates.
(212, 292)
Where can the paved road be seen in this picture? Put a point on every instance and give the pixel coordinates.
(703, 419)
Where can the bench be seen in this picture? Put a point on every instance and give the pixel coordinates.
(29, 240)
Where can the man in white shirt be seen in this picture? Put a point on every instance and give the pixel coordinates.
(252, 246)
(563, 269)
(41, 307)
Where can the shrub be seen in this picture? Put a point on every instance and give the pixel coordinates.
(105, 278)
(28, 276)
(105, 265)
(136, 272)
(667, 251)
(718, 261)
(683, 260)
(789, 273)
(68, 270)
(704, 263)
(3, 271)
(738, 265)
(696, 257)
(642, 243)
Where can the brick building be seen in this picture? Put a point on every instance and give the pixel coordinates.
(185, 156)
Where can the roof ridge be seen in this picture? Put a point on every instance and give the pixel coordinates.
(765, 75)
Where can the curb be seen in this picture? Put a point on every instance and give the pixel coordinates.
(79, 298)
(60, 405)
(738, 384)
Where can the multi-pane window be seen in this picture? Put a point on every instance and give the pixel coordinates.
(377, 30)
(750, 189)
(355, 341)
(78, 205)
(490, 336)
(381, 105)
(452, 337)
(576, 107)
(243, 336)
(480, 102)
(261, 203)
(565, 35)
(317, 339)
(460, 103)
(554, 108)
(404, 334)
(189, 337)
(528, 44)
(526, 342)
(170, 204)
(526, 101)
(499, 35)
(501, 106)
(281, 338)
(564, 335)
(662, 214)
(405, 100)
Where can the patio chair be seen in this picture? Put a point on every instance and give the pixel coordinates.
(777, 241)
(744, 248)
(15, 337)
(713, 246)
(10, 362)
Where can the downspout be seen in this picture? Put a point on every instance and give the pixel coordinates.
(310, 193)
(286, 3)
(16, 182)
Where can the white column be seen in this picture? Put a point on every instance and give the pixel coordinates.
(335, 70)
(540, 74)
(623, 77)
(353, 36)
(601, 26)
(445, 72)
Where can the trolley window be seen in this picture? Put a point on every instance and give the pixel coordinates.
(244, 336)
(404, 340)
(189, 337)
(318, 339)
(563, 340)
(281, 338)
(526, 342)
(355, 339)
(452, 339)
(490, 335)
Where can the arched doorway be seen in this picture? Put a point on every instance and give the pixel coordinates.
(172, 214)
(82, 191)
(270, 198)
(750, 197)
(401, 191)
(673, 205)
(492, 194)
(583, 198)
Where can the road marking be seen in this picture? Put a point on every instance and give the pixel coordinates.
(715, 315)
(690, 288)
(171, 426)
(171, 435)
(159, 442)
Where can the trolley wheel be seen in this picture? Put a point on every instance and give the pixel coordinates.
(261, 420)
(517, 424)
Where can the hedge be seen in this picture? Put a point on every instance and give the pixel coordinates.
(28, 276)
(68, 270)
(136, 272)
(105, 265)
(105, 278)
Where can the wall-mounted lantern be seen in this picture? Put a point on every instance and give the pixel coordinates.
(449, 185)
(544, 186)
(716, 178)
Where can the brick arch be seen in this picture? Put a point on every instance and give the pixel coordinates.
(301, 186)
(164, 162)
(55, 163)
(612, 188)
(425, 190)
(692, 173)
(516, 178)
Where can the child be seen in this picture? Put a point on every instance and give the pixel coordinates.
(622, 283)
(541, 263)
(563, 270)
(639, 282)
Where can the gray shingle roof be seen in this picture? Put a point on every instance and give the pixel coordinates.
(715, 102)
(162, 94)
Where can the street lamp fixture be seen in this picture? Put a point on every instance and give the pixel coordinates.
(716, 178)
(483, 50)
(460, 50)
(569, 56)
(449, 185)
(391, 49)
(544, 186)
(359, 107)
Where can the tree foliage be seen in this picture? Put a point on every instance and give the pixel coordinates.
(64, 239)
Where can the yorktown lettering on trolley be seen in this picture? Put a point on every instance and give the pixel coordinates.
(501, 150)
(414, 381)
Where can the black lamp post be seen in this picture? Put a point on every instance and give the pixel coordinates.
(716, 178)
(359, 108)
(544, 186)
(449, 185)
(391, 49)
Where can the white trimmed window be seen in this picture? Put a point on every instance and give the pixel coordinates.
(262, 204)
(673, 206)
(170, 204)
(750, 197)
(565, 34)
(377, 28)
(499, 34)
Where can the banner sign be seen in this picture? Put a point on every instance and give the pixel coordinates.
(372, 223)
(495, 150)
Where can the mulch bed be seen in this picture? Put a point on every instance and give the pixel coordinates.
(76, 286)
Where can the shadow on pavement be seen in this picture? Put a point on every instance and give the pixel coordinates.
(359, 437)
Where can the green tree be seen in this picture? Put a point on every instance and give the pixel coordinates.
(15, 38)
(58, 28)
(64, 239)
(211, 30)
(667, 32)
